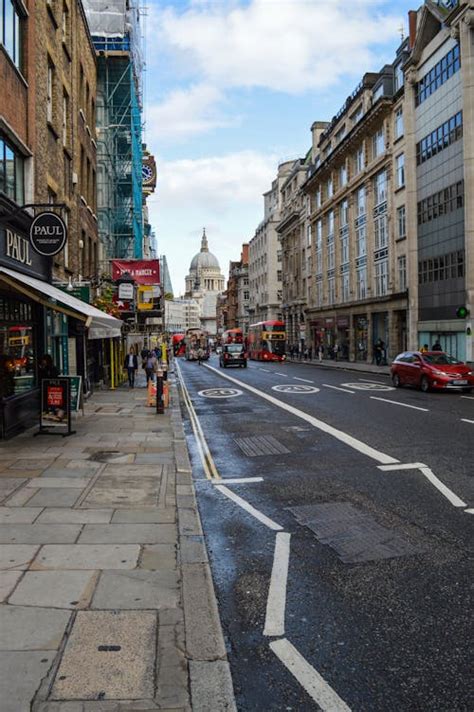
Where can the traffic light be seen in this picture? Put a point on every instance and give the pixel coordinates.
(462, 312)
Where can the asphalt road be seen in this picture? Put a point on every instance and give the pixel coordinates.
(375, 612)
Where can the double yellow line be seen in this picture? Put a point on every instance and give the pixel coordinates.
(208, 463)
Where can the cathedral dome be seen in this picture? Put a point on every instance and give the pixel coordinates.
(204, 259)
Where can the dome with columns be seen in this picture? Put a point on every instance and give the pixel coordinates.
(204, 282)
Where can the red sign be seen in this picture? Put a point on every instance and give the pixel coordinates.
(142, 271)
(55, 396)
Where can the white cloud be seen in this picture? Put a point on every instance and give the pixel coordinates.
(285, 46)
(187, 112)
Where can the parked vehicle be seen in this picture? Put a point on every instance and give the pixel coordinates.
(233, 355)
(431, 370)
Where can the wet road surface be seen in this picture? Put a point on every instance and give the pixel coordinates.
(376, 595)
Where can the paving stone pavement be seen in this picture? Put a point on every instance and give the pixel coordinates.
(106, 596)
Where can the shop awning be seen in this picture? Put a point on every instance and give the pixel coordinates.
(100, 324)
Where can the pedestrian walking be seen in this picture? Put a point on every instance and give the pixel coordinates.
(320, 352)
(131, 366)
(151, 365)
(200, 355)
(305, 353)
(144, 353)
(379, 351)
(424, 348)
(310, 353)
(46, 368)
(437, 346)
(335, 351)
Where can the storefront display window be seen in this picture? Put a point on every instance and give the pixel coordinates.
(57, 339)
(17, 348)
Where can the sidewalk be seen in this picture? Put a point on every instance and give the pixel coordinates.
(108, 601)
(344, 365)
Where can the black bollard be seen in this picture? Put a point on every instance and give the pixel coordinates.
(160, 406)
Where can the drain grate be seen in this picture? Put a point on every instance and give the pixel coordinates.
(258, 445)
(354, 534)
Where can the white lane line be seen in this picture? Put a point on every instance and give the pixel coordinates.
(358, 445)
(405, 405)
(302, 379)
(337, 388)
(248, 508)
(309, 678)
(466, 420)
(468, 397)
(469, 511)
(402, 466)
(279, 374)
(449, 494)
(276, 601)
(240, 480)
(366, 380)
(267, 370)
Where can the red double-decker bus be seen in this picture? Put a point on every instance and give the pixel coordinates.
(267, 341)
(232, 336)
(179, 347)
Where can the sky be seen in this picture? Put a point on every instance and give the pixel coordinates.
(231, 90)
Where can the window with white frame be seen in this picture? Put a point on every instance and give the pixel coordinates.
(344, 213)
(50, 92)
(11, 28)
(359, 159)
(381, 277)
(319, 293)
(345, 291)
(400, 170)
(319, 261)
(330, 188)
(342, 175)
(331, 290)
(361, 241)
(308, 235)
(398, 76)
(401, 222)
(246, 295)
(402, 273)
(331, 254)
(399, 123)
(378, 143)
(65, 117)
(331, 223)
(377, 93)
(380, 187)
(380, 231)
(361, 276)
(317, 197)
(319, 234)
(345, 247)
(357, 115)
(361, 202)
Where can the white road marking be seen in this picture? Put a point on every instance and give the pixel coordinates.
(279, 374)
(405, 405)
(240, 480)
(267, 370)
(302, 379)
(468, 397)
(276, 601)
(429, 474)
(469, 511)
(248, 508)
(369, 386)
(336, 388)
(358, 445)
(367, 380)
(309, 678)
(295, 388)
(466, 420)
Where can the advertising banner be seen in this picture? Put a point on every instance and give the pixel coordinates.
(56, 405)
(142, 271)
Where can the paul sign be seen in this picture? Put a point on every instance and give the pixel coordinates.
(48, 234)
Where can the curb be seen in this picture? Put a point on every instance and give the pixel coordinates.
(210, 678)
(345, 366)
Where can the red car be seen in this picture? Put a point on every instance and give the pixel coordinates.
(431, 369)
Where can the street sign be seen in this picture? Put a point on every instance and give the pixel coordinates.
(48, 234)
(125, 291)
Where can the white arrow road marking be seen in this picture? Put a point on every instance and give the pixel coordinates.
(309, 678)
(468, 397)
(240, 480)
(336, 388)
(302, 379)
(276, 601)
(466, 420)
(429, 474)
(315, 422)
(405, 405)
(248, 508)
(469, 511)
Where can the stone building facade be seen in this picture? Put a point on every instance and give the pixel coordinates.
(65, 96)
(265, 260)
(356, 186)
(439, 112)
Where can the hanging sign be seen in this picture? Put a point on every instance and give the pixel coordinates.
(142, 271)
(48, 234)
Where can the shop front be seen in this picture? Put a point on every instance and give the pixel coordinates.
(361, 337)
(343, 336)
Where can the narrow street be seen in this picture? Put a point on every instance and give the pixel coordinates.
(341, 564)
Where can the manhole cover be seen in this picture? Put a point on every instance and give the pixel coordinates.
(354, 534)
(261, 445)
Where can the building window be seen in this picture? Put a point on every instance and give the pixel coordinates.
(439, 139)
(279, 256)
(361, 202)
(399, 129)
(378, 92)
(308, 235)
(402, 273)
(438, 75)
(342, 176)
(318, 198)
(331, 255)
(345, 248)
(65, 24)
(330, 188)
(11, 31)
(319, 262)
(11, 172)
(345, 292)
(361, 242)
(401, 223)
(357, 115)
(319, 293)
(441, 203)
(378, 142)
(331, 290)
(400, 170)
(50, 92)
(361, 275)
(344, 213)
(398, 76)
(330, 224)
(65, 118)
(359, 160)
(319, 234)
(381, 278)
(380, 187)
(279, 275)
(246, 296)
(380, 231)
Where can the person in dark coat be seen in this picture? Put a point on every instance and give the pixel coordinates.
(46, 368)
(131, 366)
(437, 346)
